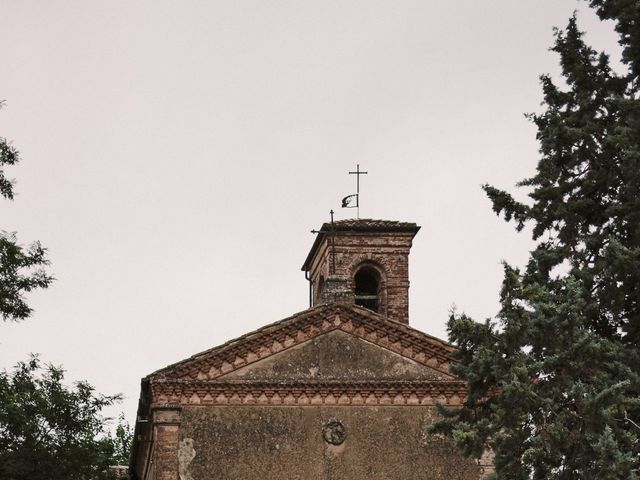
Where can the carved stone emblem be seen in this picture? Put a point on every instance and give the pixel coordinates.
(334, 432)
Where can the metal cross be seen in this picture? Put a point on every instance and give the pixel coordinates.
(357, 173)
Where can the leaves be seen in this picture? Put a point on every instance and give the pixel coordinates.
(8, 156)
(21, 271)
(21, 268)
(48, 430)
(554, 380)
(122, 441)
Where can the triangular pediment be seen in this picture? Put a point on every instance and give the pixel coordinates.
(334, 356)
(330, 342)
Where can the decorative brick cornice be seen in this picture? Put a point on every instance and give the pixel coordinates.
(362, 225)
(194, 392)
(304, 326)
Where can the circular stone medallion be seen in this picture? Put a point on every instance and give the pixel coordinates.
(334, 432)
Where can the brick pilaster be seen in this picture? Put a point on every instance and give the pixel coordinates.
(166, 425)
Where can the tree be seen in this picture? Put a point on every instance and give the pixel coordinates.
(122, 441)
(554, 379)
(21, 268)
(48, 430)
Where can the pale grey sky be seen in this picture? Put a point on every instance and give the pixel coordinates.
(175, 156)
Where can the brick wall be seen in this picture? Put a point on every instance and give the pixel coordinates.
(165, 444)
(347, 250)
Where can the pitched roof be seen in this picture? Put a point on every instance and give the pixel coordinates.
(303, 326)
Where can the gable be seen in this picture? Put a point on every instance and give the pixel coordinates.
(414, 351)
(335, 356)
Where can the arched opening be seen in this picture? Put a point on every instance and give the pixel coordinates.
(367, 288)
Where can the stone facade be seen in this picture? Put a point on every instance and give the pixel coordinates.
(336, 391)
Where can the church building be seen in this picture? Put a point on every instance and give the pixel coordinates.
(343, 390)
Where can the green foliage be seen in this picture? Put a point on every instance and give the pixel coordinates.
(20, 272)
(48, 430)
(554, 380)
(8, 156)
(21, 268)
(122, 441)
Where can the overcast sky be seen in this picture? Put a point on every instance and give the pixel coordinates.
(176, 155)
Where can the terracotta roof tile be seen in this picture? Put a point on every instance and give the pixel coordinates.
(307, 319)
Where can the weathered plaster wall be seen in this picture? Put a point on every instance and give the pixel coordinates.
(265, 443)
(262, 412)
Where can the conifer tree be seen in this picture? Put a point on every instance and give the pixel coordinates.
(554, 379)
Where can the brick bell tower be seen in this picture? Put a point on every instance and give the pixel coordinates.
(362, 261)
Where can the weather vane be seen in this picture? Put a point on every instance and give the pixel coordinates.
(349, 200)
